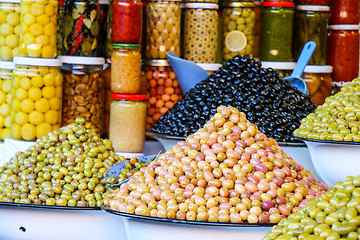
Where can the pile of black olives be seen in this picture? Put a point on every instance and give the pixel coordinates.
(269, 102)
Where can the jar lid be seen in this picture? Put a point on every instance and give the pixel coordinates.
(37, 61)
(7, 65)
(61, 3)
(239, 4)
(128, 96)
(344, 27)
(104, 2)
(10, 1)
(82, 60)
(279, 65)
(157, 63)
(318, 69)
(278, 4)
(209, 66)
(314, 8)
(257, 3)
(164, 0)
(125, 45)
(202, 5)
(108, 60)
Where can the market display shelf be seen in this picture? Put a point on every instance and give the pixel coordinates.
(55, 207)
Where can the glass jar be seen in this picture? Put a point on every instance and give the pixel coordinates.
(239, 29)
(59, 28)
(126, 21)
(10, 29)
(257, 28)
(83, 90)
(126, 68)
(163, 29)
(81, 28)
(104, 9)
(314, 2)
(6, 69)
(143, 29)
(38, 21)
(200, 32)
(107, 97)
(344, 52)
(108, 40)
(277, 21)
(318, 81)
(36, 97)
(127, 122)
(345, 12)
(163, 89)
(311, 25)
(284, 69)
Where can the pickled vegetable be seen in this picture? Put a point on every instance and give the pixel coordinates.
(6, 69)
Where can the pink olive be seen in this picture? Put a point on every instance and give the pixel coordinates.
(267, 205)
(261, 167)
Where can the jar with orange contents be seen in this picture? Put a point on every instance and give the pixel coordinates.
(163, 89)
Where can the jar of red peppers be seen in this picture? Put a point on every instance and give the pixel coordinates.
(344, 52)
(126, 21)
(345, 12)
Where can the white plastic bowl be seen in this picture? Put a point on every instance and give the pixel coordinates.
(333, 160)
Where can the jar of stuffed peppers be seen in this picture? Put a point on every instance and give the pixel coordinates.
(83, 90)
(81, 28)
(36, 97)
(345, 12)
(6, 69)
(277, 31)
(311, 25)
(344, 52)
(126, 21)
(10, 29)
(200, 32)
(238, 30)
(163, 28)
(38, 28)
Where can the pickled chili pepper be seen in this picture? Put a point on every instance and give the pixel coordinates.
(127, 21)
(79, 24)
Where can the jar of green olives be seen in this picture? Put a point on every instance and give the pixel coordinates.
(238, 30)
(6, 69)
(311, 25)
(9, 29)
(163, 28)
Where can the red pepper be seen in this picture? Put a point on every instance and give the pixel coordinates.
(78, 25)
(76, 44)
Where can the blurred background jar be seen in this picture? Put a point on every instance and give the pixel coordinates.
(318, 81)
(59, 28)
(83, 90)
(38, 21)
(6, 69)
(36, 97)
(343, 52)
(311, 25)
(107, 97)
(163, 29)
(239, 29)
(284, 69)
(81, 28)
(276, 38)
(345, 12)
(200, 40)
(10, 29)
(104, 6)
(257, 31)
(108, 41)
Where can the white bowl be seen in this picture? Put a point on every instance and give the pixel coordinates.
(334, 160)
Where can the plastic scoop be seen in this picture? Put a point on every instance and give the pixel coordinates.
(188, 73)
(295, 78)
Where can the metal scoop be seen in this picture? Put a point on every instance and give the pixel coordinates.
(295, 78)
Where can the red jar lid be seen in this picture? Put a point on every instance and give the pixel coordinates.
(278, 4)
(128, 96)
(61, 3)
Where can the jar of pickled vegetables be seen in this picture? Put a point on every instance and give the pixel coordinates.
(344, 52)
(314, 2)
(107, 98)
(59, 28)
(103, 12)
(9, 29)
(163, 89)
(6, 69)
(284, 69)
(81, 28)
(37, 91)
(345, 12)
(126, 68)
(38, 21)
(277, 24)
(126, 21)
(83, 90)
(200, 32)
(127, 122)
(239, 29)
(163, 28)
(311, 25)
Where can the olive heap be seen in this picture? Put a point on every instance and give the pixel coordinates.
(228, 171)
(337, 119)
(63, 168)
(270, 103)
(333, 215)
